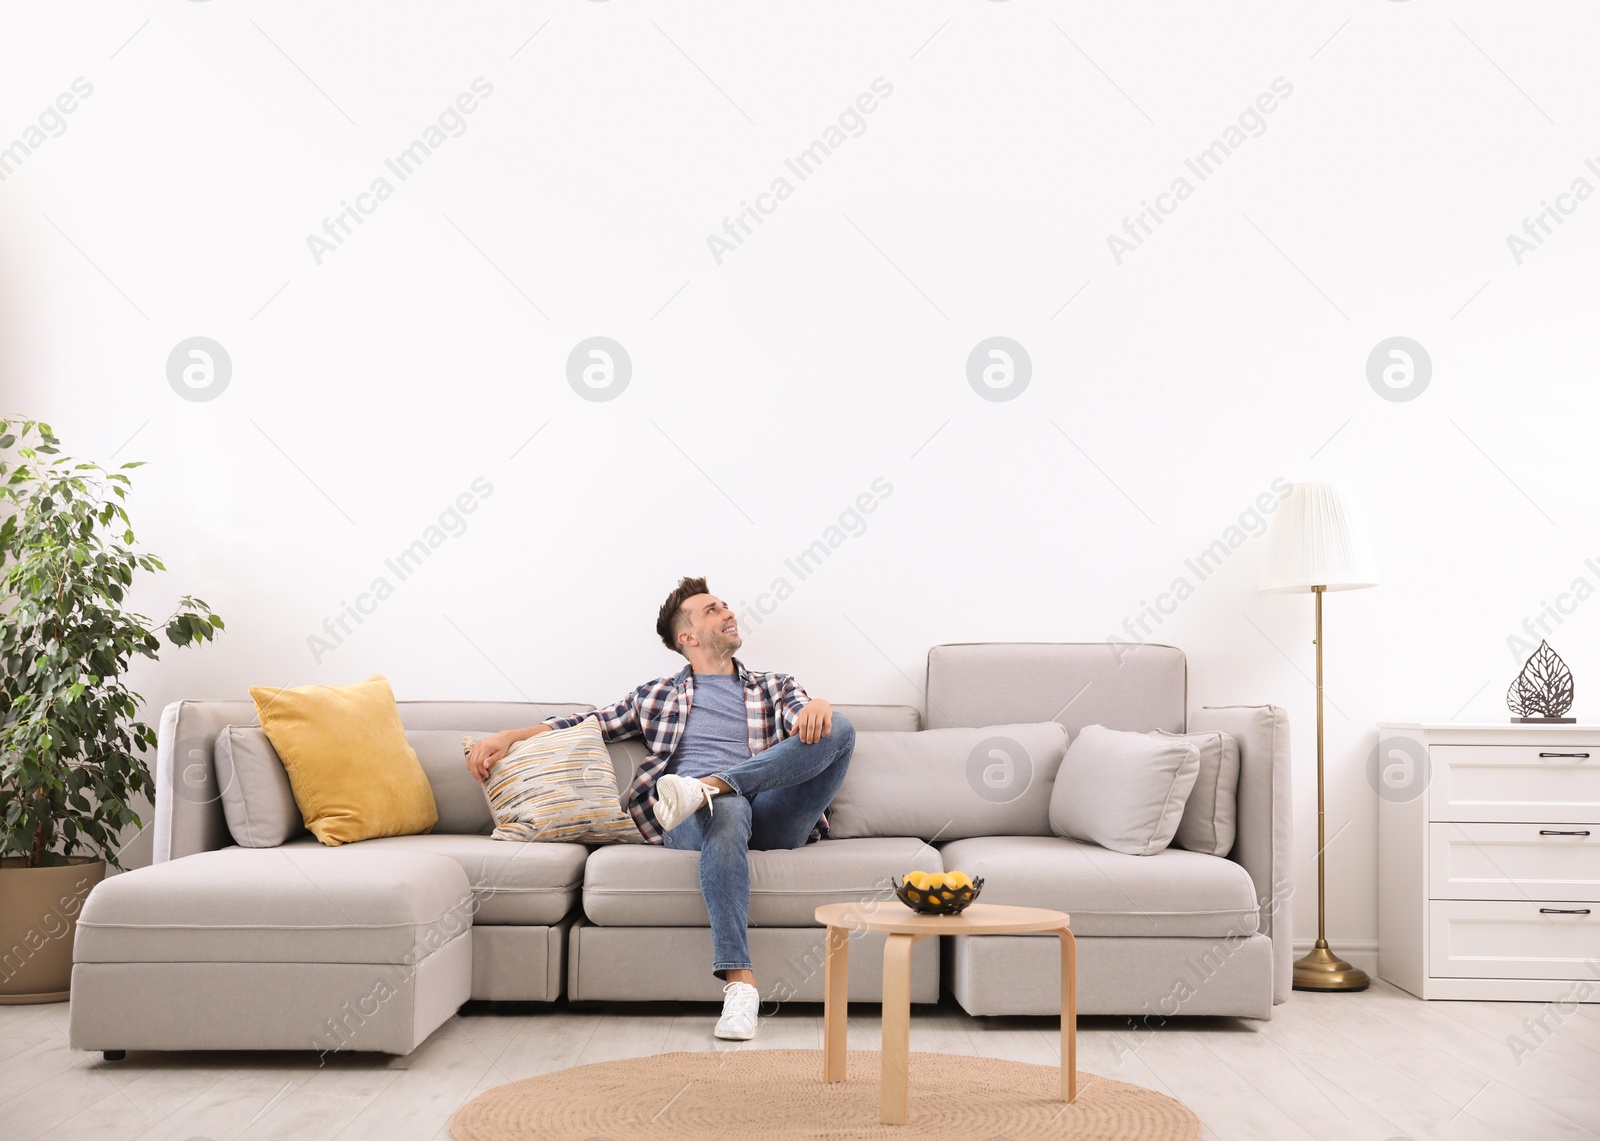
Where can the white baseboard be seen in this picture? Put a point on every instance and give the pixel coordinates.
(1361, 953)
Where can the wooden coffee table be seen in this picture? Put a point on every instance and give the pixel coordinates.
(904, 928)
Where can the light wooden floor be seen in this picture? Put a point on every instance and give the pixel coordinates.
(1367, 1067)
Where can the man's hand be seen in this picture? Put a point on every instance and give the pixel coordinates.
(489, 750)
(814, 722)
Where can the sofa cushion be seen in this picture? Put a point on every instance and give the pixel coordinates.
(1210, 815)
(1172, 893)
(302, 903)
(559, 786)
(256, 797)
(463, 810)
(1124, 791)
(353, 773)
(626, 757)
(511, 883)
(950, 783)
(653, 886)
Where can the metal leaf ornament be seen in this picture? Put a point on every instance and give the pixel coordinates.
(1544, 687)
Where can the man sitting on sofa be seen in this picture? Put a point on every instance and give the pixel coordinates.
(739, 760)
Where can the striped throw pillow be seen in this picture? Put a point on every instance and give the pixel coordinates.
(558, 787)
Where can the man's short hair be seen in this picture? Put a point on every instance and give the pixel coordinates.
(672, 620)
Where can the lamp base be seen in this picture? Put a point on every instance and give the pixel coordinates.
(1321, 969)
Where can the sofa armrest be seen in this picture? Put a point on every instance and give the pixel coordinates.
(1264, 842)
(189, 816)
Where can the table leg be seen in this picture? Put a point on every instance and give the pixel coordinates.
(1069, 1016)
(894, 1077)
(835, 1003)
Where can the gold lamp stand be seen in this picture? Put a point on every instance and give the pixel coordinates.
(1321, 969)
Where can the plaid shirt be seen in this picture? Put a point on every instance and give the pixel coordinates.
(658, 711)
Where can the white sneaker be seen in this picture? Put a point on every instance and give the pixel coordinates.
(678, 798)
(739, 1005)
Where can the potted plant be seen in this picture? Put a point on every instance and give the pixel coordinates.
(71, 744)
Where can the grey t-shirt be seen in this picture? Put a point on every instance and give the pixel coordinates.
(717, 735)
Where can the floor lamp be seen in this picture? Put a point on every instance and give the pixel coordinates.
(1314, 546)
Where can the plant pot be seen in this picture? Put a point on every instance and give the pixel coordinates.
(38, 918)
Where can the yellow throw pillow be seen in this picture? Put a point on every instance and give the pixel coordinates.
(353, 774)
(558, 787)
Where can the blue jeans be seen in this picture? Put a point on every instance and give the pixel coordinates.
(778, 795)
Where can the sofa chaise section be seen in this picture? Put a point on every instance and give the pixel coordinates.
(273, 949)
(525, 896)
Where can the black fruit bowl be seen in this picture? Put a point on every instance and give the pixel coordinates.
(938, 901)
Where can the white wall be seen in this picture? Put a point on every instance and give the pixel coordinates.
(829, 350)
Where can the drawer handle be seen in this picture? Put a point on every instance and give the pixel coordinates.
(1553, 832)
(1580, 756)
(1563, 911)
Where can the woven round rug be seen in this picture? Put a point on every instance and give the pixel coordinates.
(768, 1095)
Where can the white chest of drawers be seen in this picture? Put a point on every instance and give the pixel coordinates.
(1489, 861)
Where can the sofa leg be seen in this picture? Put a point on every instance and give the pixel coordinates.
(113, 1055)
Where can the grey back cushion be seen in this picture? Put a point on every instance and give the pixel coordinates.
(1122, 790)
(256, 797)
(1211, 816)
(463, 809)
(949, 784)
(259, 803)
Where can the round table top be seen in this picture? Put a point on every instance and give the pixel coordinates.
(978, 919)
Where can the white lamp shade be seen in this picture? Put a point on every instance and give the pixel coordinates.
(1315, 541)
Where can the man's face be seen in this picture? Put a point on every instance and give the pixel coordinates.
(712, 624)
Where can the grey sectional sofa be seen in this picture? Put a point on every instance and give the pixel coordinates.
(370, 946)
